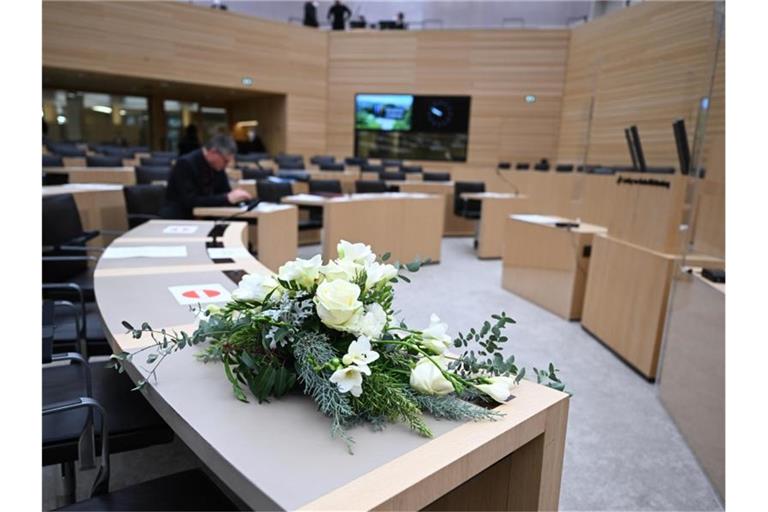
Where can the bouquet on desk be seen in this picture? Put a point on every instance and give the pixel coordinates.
(330, 329)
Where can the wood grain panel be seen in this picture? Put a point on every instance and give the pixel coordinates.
(173, 41)
(496, 67)
(646, 65)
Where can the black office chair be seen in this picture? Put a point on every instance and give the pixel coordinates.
(146, 175)
(293, 174)
(322, 159)
(542, 165)
(51, 178)
(356, 160)
(143, 202)
(504, 165)
(172, 155)
(370, 187)
(290, 165)
(564, 168)
(132, 150)
(53, 161)
(372, 168)
(274, 191)
(65, 256)
(325, 187)
(118, 152)
(467, 208)
(103, 161)
(249, 157)
(156, 161)
(391, 162)
(68, 150)
(251, 173)
(436, 176)
(391, 176)
(411, 169)
(331, 167)
(522, 166)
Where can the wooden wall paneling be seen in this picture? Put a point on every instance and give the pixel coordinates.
(646, 65)
(174, 41)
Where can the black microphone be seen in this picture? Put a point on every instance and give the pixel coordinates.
(251, 205)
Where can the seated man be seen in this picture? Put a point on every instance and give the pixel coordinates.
(199, 179)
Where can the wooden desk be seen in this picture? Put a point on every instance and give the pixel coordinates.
(547, 264)
(406, 225)
(692, 376)
(116, 175)
(496, 208)
(101, 207)
(454, 225)
(281, 455)
(625, 303)
(274, 236)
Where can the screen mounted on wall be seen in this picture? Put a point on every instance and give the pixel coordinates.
(412, 127)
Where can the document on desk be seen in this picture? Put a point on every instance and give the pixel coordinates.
(146, 251)
(537, 219)
(191, 294)
(220, 253)
(179, 229)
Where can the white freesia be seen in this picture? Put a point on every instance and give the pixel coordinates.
(358, 253)
(371, 322)
(256, 287)
(377, 272)
(499, 389)
(427, 378)
(350, 379)
(337, 304)
(434, 337)
(303, 272)
(359, 353)
(341, 269)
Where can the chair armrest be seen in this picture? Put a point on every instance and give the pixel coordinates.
(101, 483)
(70, 258)
(81, 301)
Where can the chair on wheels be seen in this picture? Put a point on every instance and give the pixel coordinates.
(172, 155)
(564, 168)
(146, 175)
(411, 169)
(53, 161)
(391, 162)
(63, 149)
(522, 166)
(143, 202)
(467, 208)
(103, 161)
(273, 192)
(436, 176)
(372, 168)
(504, 166)
(370, 186)
(355, 160)
(322, 159)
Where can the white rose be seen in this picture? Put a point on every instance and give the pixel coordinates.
(372, 322)
(499, 389)
(428, 379)
(303, 272)
(341, 269)
(256, 287)
(350, 379)
(358, 253)
(434, 337)
(337, 304)
(376, 273)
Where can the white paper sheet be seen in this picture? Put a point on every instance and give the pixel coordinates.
(179, 229)
(216, 253)
(537, 219)
(145, 251)
(191, 294)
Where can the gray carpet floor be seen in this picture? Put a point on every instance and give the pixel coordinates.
(623, 451)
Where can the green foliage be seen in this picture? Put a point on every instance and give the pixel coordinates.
(489, 359)
(549, 377)
(452, 408)
(385, 396)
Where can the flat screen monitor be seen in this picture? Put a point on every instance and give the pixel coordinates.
(385, 112)
(412, 127)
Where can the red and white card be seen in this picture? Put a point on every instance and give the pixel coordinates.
(199, 294)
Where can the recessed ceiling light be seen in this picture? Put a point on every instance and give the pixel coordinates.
(247, 81)
(530, 98)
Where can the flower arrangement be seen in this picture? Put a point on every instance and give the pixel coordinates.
(330, 330)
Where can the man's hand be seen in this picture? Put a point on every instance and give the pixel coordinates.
(238, 195)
